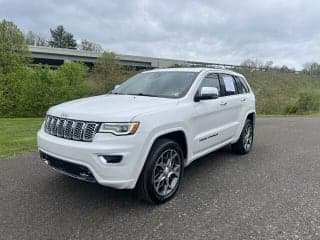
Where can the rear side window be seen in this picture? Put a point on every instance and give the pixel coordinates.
(211, 80)
(229, 84)
(242, 87)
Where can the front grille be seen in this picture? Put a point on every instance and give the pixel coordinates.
(70, 129)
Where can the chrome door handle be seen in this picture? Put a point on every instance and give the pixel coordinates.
(223, 103)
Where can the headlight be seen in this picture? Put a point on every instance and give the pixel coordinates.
(119, 128)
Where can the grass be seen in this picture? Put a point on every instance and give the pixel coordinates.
(275, 91)
(18, 135)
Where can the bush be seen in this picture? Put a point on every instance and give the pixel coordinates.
(70, 80)
(107, 72)
(33, 90)
(307, 102)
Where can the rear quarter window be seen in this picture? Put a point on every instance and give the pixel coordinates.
(242, 88)
(244, 84)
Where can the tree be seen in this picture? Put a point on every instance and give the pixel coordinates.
(13, 59)
(311, 68)
(35, 40)
(107, 71)
(284, 68)
(252, 63)
(13, 49)
(90, 46)
(30, 38)
(62, 39)
(41, 41)
(268, 65)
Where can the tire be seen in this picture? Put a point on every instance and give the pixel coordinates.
(245, 142)
(160, 178)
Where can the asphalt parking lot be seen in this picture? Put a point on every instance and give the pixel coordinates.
(272, 193)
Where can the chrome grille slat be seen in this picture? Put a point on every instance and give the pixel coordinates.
(77, 130)
(60, 128)
(53, 129)
(70, 129)
(89, 131)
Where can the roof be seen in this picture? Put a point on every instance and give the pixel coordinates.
(191, 69)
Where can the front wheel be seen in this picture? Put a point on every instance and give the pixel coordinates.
(245, 142)
(162, 173)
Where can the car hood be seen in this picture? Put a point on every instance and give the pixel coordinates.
(108, 108)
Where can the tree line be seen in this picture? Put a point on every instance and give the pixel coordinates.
(267, 66)
(311, 68)
(29, 91)
(60, 38)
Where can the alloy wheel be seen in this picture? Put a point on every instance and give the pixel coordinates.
(167, 172)
(248, 138)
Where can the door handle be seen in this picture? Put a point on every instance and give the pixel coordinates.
(243, 99)
(223, 103)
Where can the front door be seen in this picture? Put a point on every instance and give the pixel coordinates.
(209, 118)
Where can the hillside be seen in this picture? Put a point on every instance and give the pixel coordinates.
(276, 91)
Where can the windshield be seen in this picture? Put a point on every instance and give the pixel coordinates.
(170, 84)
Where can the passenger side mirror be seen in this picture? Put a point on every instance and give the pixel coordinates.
(206, 93)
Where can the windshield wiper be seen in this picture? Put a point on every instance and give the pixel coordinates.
(142, 94)
(116, 93)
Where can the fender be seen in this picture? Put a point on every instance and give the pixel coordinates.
(238, 133)
(154, 135)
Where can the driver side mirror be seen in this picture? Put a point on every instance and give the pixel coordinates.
(206, 93)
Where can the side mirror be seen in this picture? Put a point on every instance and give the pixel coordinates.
(206, 93)
(116, 86)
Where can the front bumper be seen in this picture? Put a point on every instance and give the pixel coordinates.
(122, 175)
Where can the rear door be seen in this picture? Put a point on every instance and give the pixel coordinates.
(244, 96)
(232, 105)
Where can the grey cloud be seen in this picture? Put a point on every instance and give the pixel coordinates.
(219, 31)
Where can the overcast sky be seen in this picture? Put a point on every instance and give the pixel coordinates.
(285, 31)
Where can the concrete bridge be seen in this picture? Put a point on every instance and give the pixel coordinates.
(57, 56)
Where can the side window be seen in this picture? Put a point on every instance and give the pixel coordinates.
(244, 84)
(229, 84)
(211, 80)
(241, 87)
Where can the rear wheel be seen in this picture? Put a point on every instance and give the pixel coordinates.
(161, 176)
(244, 144)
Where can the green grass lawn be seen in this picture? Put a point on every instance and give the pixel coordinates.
(18, 135)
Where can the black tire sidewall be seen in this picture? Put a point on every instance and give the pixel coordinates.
(151, 161)
(248, 123)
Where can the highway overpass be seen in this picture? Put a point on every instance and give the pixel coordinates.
(57, 56)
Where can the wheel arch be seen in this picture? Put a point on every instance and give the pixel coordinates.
(249, 115)
(252, 117)
(178, 136)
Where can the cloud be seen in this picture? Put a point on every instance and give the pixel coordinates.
(206, 30)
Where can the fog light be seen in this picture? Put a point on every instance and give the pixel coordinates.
(111, 158)
(84, 174)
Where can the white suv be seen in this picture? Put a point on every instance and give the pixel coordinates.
(143, 133)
